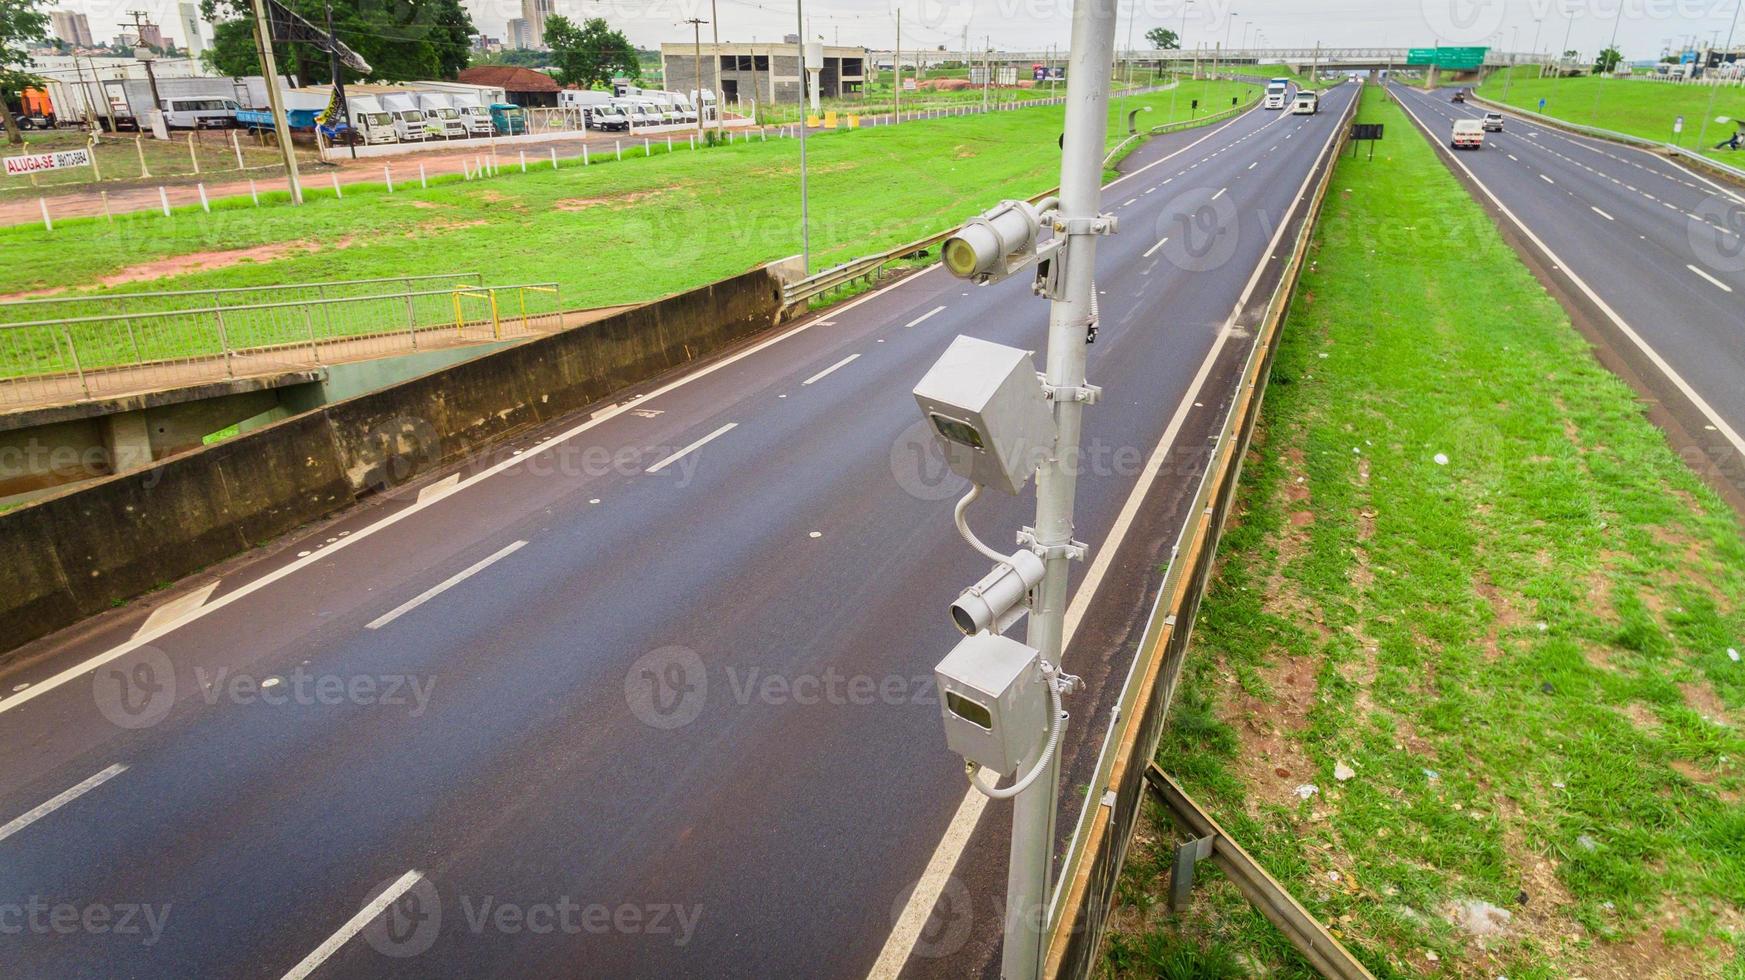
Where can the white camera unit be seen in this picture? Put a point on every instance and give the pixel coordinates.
(994, 700)
(986, 405)
(997, 601)
(994, 244)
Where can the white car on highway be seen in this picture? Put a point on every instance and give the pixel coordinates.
(1468, 135)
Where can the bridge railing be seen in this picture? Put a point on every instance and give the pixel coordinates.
(66, 359)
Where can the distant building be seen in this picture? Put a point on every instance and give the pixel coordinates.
(766, 73)
(519, 36)
(535, 12)
(152, 36)
(72, 27)
(191, 24)
(522, 86)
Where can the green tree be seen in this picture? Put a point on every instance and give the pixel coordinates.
(21, 25)
(403, 41)
(1163, 37)
(1608, 60)
(591, 54)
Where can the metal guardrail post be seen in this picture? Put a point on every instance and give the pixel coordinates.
(496, 324)
(134, 340)
(457, 317)
(411, 318)
(223, 341)
(73, 350)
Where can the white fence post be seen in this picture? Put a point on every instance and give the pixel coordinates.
(236, 144)
(46, 223)
(388, 178)
(337, 193)
(554, 158)
(523, 161)
(618, 148)
(164, 199)
(253, 194)
(205, 205)
(584, 154)
(421, 181)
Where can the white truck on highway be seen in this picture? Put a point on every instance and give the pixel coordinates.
(1277, 91)
(1468, 134)
(373, 123)
(409, 122)
(1306, 104)
(442, 120)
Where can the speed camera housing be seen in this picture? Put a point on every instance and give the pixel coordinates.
(986, 407)
(994, 700)
(994, 244)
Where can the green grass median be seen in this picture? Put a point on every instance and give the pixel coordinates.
(1634, 106)
(1467, 680)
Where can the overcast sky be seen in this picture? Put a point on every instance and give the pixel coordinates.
(1645, 29)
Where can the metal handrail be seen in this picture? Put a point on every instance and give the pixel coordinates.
(271, 287)
(250, 307)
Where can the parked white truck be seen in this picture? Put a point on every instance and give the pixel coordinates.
(409, 123)
(372, 122)
(442, 120)
(474, 113)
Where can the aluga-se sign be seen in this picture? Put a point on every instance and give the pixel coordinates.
(32, 163)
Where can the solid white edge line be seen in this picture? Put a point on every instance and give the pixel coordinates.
(1720, 424)
(923, 317)
(353, 926)
(821, 374)
(926, 893)
(605, 415)
(59, 800)
(442, 586)
(700, 443)
(1710, 278)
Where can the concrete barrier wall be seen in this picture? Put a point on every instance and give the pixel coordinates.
(75, 554)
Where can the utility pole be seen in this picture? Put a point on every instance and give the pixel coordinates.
(987, 69)
(800, 53)
(1180, 45)
(697, 69)
(1714, 86)
(339, 84)
(715, 32)
(1070, 320)
(263, 39)
(897, 63)
(140, 22)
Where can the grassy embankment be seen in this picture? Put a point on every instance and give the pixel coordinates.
(1634, 106)
(1474, 600)
(610, 233)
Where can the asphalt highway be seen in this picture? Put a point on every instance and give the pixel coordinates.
(649, 691)
(1650, 253)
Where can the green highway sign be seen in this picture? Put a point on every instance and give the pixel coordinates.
(1457, 58)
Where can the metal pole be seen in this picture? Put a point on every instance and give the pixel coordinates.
(897, 64)
(697, 68)
(715, 32)
(1703, 132)
(339, 84)
(805, 222)
(1178, 46)
(1090, 61)
(270, 67)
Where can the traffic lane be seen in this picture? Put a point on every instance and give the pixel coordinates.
(1640, 269)
(783, 919)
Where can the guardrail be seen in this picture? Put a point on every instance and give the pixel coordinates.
(1092, 868)
(837, 276)
(1599, 132)
(46, 362)
(169, 299)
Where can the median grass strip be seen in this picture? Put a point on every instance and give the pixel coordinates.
(1467, 679)
(1637, 107)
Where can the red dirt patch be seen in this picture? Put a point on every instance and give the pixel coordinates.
(178, 265)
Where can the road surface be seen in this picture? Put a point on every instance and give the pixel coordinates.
(649, 691)
(1650, 254)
